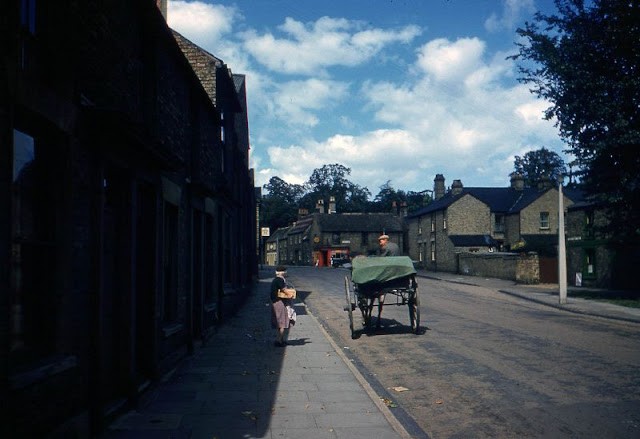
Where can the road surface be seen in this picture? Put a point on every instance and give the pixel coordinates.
(488, 364)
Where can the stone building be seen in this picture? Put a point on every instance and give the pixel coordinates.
(594, 259)
(127, 209)
(317, 237)
(479, 219)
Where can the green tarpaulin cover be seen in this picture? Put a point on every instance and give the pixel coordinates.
(380, 269)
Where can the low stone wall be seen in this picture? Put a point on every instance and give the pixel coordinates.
(519, 267)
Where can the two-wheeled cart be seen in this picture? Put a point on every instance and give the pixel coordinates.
(374, 278)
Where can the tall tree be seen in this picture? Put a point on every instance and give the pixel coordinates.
(535, 165)
(331, 180)
(585, 60)
(279, 207)
(383, 202)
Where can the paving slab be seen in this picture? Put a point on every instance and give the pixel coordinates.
(239, 385)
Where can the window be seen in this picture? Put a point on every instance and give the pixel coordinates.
(419, 229)
(222, 126)
(170, 263)
(444, 221)
(588, 224)
(433, 250)
(433, 223)
(28, 15)
(34, 244)
(498, 223)
(28, 31)
(544, 220)
(589, 263)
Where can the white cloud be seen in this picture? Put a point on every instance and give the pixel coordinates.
(310, 49)
(454, 109)
(447, 61)
(532, 112)
(512, 12)
(201, 22)
(371, 157)
(296, 101)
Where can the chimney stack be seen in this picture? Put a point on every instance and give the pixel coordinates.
(438, 186)
(456, 187)
(332, 204)
(517, 181)
(544, 183)
(403, 209)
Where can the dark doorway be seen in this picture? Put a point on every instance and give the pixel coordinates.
(548, 270)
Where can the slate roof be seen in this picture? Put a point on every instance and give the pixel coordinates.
(206, 65)
(301, 225)
(500, 200)
(278, 234)
(238, 81)
(373, 222)
(473, 241)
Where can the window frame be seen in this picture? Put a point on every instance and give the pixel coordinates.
(35, 244)
(545, 219)
(498, 222)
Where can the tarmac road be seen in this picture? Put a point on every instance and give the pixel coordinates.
(489, 364)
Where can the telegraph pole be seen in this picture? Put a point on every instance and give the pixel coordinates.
(562, 253)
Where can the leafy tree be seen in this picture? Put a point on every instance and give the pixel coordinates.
(386, 196)
(536, 164)
(331, 180)
(383, 202)
(585, 60)
(279, 207)
(417, 200)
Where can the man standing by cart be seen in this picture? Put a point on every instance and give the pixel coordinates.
(387, 248)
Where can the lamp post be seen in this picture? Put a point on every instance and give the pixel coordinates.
(562, 253)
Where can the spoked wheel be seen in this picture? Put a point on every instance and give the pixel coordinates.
(350, 305)
(414, 313)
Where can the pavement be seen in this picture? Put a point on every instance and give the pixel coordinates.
(239, 385)
(545, 294)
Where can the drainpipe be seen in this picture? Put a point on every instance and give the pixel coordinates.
(96, 300)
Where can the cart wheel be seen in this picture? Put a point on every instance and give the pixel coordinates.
(414, 313)
(350, 306)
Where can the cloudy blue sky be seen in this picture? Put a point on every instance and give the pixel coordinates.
(396, 90)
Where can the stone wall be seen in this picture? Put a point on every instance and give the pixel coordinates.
(521, 268)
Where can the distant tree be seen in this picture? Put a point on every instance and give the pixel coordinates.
(585, 60)
(417, 200)
(279, 206)
(383, 201)
(535, 165)
(385, 198)
(331, 180)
